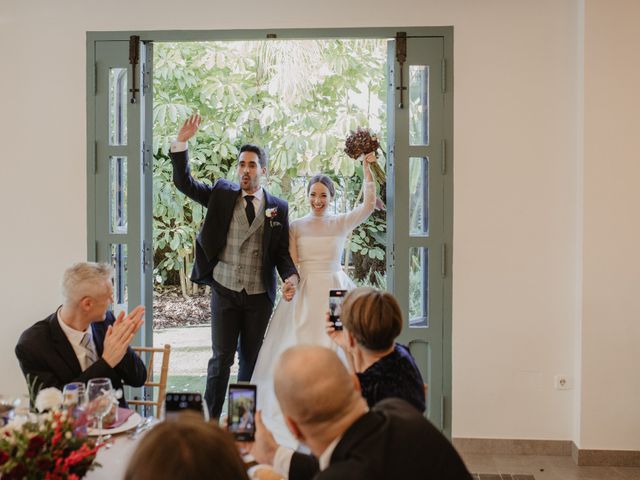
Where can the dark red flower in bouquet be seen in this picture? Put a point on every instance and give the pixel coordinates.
(361, 142)
(19, 471)
(34, 447)
(44, 464)
(3, 458)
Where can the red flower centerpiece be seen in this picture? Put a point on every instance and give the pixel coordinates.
(52, 446)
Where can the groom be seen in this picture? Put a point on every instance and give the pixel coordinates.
(244, 238)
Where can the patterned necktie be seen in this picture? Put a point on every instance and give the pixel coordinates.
(87, 344)
(251, 212)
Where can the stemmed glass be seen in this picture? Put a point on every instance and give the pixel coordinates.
(74, 395)
(100, 396)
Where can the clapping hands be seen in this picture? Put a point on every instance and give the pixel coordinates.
(120, 334)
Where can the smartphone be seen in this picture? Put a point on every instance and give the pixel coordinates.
(176, 402)
(335, 307)
(242, 411)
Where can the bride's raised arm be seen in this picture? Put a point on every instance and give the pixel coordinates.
(293, 242)
(360, 213)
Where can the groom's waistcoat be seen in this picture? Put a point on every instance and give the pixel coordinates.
(240, 263)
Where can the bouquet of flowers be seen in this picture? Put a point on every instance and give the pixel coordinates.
(361, 142)
(53, 446)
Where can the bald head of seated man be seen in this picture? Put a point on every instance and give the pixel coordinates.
(323, 408)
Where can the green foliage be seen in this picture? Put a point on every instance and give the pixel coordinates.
(297, 99)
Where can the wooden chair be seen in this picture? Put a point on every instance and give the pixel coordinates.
(161, 384)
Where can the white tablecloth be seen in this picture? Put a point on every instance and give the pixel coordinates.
(114, 460)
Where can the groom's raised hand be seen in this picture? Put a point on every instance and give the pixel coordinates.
(189, 127)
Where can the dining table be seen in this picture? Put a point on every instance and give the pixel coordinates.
(115, 455)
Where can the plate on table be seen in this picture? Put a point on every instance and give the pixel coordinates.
(130, 423)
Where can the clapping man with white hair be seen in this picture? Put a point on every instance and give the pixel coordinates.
(82, 339)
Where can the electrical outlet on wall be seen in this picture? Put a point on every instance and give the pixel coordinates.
(562, 382)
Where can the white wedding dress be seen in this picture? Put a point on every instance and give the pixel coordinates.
(316, 244)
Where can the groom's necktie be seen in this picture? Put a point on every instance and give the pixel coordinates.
(251, 212)
(86, 342)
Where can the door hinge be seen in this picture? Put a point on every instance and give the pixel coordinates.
(134, 60)
(95, 251)
(95, 157)
(444, 75)
(401, 57)
(444, 260)
(443, 166)
(146, 158)
(146, 256)
(145, 78)
(442, 416)
(95, 78)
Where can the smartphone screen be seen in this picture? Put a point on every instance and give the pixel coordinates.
(176, 402)
(242, 411)
(335, 307)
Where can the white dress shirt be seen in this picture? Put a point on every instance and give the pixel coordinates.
(282, 458)
(75, 338)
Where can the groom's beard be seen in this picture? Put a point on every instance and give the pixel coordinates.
(248, 184)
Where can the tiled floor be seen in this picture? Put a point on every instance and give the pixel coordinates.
(542, 468)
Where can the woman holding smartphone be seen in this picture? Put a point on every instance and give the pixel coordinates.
(316, 243)
(371, 322)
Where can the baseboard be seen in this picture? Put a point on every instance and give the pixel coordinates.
(582, 457)
(605, 458)
(503, 446)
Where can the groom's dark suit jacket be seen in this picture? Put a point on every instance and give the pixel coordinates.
(393, 440)
(220, 200)
(45, 354)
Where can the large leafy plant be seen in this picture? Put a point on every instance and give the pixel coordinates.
(298, 99)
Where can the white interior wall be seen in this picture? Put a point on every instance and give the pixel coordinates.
(610, 416)
(517, 211)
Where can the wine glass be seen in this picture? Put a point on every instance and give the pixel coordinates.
(74, 396)
(100, 396)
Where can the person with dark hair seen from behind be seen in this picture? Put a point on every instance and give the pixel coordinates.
(186, 448)
(371, 322)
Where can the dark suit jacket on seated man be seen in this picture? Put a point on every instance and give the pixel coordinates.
(327, 413)
(82, 339)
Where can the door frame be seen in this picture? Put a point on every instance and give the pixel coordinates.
(446, 33)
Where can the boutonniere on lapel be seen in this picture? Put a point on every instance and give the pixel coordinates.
(271, 214)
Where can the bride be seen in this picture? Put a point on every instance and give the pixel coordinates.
(316, 242)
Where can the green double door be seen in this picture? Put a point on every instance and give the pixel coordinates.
(419, 190)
